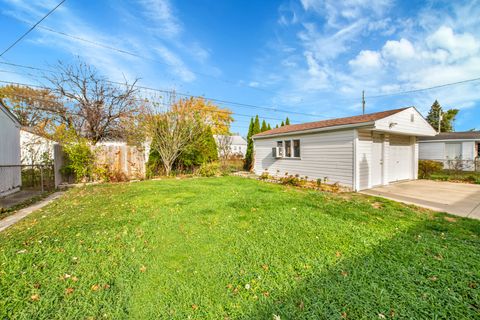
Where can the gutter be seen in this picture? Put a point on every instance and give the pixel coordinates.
(306, 131)
(450, 140)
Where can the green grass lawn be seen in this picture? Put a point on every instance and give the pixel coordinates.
(229, 248)
(461, 176)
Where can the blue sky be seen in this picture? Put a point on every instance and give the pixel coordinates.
(303, 56)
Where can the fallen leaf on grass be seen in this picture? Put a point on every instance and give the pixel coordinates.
(301, 305)
(143, 269)
(434, 278)
(344, 315)
(35, 297)
(381, 316)
(265, 267)
(338, 254)
(106, 286)
(450, 219)
(438, 257)
(21, 251)
(95, 287)
(344, 273)
(74, 279)
(69, 290)
(266, 294)
(194, 307)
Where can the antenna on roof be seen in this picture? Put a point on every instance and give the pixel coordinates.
(363, 101)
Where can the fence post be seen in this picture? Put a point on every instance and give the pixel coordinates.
(57, 163)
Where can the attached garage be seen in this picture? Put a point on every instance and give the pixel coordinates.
(358, 152)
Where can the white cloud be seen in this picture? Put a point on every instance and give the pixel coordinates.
(160, 13)
(398, 50)
(458, 45)
(176, 63)
(366, 60)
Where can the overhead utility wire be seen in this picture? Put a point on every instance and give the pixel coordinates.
(31, 29)
(423, 89)
(240, 104)
(133, 54)
(46, 100)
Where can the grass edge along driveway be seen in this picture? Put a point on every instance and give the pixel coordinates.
(239, 249)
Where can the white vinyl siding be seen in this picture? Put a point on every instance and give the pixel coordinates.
(9, 154)
(432, 151)
(364, 158)
(453, 150)
(401, 123)
(326, 154)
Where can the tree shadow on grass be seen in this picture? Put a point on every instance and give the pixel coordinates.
(431, 271)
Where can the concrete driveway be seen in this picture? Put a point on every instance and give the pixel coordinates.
(456, 198)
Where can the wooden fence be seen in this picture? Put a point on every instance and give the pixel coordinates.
(127, 160)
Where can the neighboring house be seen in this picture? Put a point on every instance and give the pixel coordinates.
(454, 149)
(236, 145)
(358, 152)
(10, 172)
(35, 149)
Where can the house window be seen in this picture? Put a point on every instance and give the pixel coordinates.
(453, 151)
(288, 148)
(296, 148)
(279, 144)
(478, 150)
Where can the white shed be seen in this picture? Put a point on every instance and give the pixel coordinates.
(358, 152)
(10, 172)
(452, 148)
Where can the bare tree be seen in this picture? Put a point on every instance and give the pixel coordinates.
(224, 145)
(172, 132)
(96, 107)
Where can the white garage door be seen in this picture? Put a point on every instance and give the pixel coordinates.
(400, 159)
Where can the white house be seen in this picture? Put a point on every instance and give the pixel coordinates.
(358, 152)
(452, 148)
(236, 144)
(10, 172)
(34, 148)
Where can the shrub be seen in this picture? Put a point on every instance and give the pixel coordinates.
(264, 176)
(427, 167)
(292, 181)
(80, 159)
(209, 169)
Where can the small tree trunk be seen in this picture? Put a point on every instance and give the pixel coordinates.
(168, 168)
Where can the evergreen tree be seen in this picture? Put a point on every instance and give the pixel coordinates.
(264, 126)
(256, 126)
(249, 153)
(287, 122)
(448, 117)
(269, 127)
(203, 150)
(276, 126)
(282, 124)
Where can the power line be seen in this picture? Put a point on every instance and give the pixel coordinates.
(141, 100)
(240, 104)
(134, 54)
(423, 89)
(31, 29)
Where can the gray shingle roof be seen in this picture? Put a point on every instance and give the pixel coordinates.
(467, 135)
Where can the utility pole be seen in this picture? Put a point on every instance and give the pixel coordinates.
(439, 120)
(363, 101)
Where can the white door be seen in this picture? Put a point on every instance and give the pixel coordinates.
(400, 159)
(377, 160)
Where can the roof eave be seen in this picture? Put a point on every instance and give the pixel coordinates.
(315, 130)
